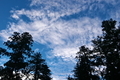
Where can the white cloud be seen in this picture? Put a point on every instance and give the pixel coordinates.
(54, 9)
(63, 36)
(60, 34)
(57, 78)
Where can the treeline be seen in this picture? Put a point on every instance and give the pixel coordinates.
(102, 62)
(23, 61)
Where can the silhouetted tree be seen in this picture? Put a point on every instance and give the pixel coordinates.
(19, 46)
(105, 55)
(109, 45)
(84, 68)
(39, 67)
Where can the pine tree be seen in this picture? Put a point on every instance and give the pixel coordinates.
(105, 55)
(19, 46)
(83, 69)
(39, 67)
(108, 45)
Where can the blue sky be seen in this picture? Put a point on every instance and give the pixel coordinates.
(58, 27)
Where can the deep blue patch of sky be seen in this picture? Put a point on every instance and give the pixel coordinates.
(43, 49)
(96, 11)
(6, 6)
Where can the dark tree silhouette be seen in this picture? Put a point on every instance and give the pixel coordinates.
(23, 60)
(84, 69)
(39, 67)
(109, 45)
(105, 55)
(19, 46)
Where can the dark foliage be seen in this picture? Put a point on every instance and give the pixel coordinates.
(104, 59)
(19, 46)
(85, 67)
(22, 59)
(39, 67)
(82, 70)
(109, 45)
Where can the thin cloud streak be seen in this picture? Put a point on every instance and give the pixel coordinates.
(49, 26)
(62, 34)
(64, 38)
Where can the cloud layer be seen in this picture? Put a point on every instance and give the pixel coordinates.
(63, 26)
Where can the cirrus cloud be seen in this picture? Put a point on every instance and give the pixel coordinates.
(62, 25)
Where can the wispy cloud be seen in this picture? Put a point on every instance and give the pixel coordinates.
(62, 25)
(60, 34)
